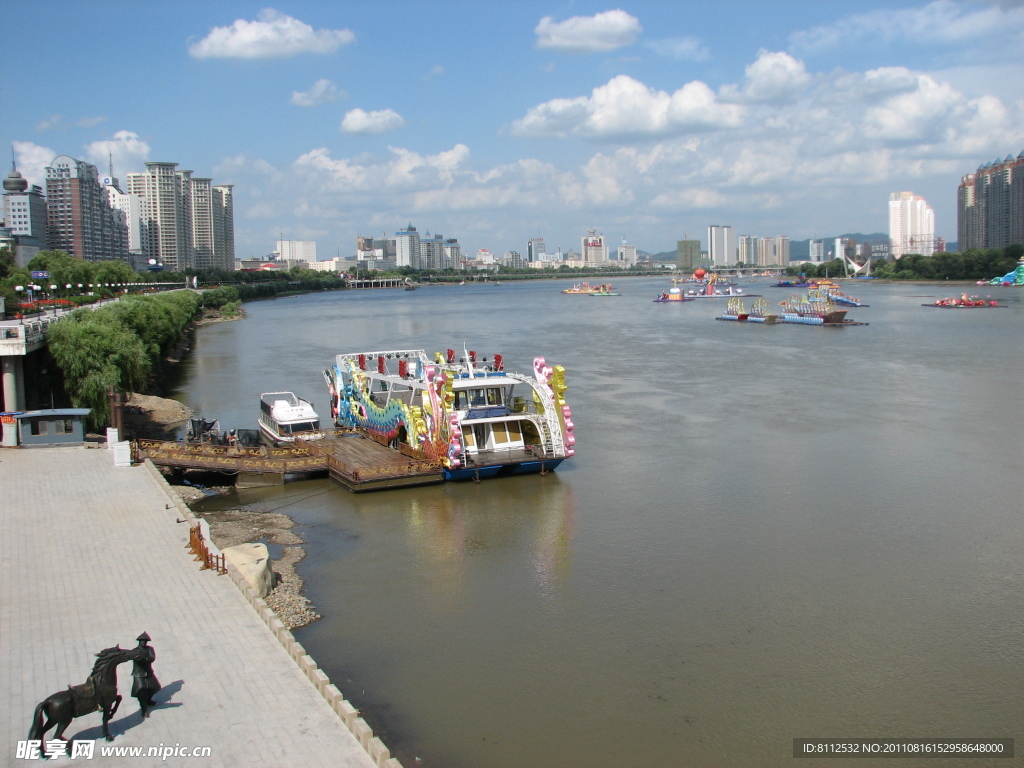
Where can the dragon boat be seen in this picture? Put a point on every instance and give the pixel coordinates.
(469, 414)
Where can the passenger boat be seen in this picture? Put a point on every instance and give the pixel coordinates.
(473, 417)
(283, 417)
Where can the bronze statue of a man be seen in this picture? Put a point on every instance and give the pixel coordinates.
(144, 685)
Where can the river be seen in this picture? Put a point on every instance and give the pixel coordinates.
(767, 532)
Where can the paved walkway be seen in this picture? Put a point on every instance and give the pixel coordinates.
(91, 558)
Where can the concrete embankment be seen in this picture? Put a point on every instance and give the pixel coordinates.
(94, 555)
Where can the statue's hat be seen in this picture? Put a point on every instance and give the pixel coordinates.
(144, 637)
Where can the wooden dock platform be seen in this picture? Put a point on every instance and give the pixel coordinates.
(356, 461)
(360, 463)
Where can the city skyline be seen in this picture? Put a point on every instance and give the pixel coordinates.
(649, 121)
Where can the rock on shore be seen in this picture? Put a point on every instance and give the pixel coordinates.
(238, 526)
(154, 418)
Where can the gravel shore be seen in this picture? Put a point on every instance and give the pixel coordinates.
(239, 526)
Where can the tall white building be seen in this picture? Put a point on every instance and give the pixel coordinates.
(911, 225)
(24, 212)
(722, 245)
(407, 247)
(816, 251)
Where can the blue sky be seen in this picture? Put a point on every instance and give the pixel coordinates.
(495, 122)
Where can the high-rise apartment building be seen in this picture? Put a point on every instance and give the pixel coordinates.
(222, 199)
(782, 251)
(722, 245)
(911, 225)
(190, 222)
(816, 251)
(990, 205)
(452, 253)
(746, 249)
(79, 218)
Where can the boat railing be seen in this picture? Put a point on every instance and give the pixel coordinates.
(504, 455)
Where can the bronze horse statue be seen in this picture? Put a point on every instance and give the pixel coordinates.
(99, 692)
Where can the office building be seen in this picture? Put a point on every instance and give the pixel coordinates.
(911, 225)
(626, 254)
(24, 211)
(79, 218)
(593, 248)
(990, 205)
(298, 250)
(535, 250)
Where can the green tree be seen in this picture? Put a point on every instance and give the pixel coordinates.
(95, 354)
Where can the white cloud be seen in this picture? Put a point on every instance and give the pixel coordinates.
(322, 92)
(588, 34)
(274, 35)
(32, 160)
(361, 122)
(680, 48)
(625, 107)
(125, 148)
(58, 123)
(941, 22)
(775, 76)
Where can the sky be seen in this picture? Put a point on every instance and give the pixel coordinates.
(496, 122)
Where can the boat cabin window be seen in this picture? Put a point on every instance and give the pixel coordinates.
(476, 398)
(300, 426)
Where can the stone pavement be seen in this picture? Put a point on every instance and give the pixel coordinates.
(92, 557)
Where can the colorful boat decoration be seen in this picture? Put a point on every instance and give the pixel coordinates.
(1016, 277)
(736, 311)
(813, 308)
(673, 296)
(963, 301)
(473, 417)
(586, 289)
